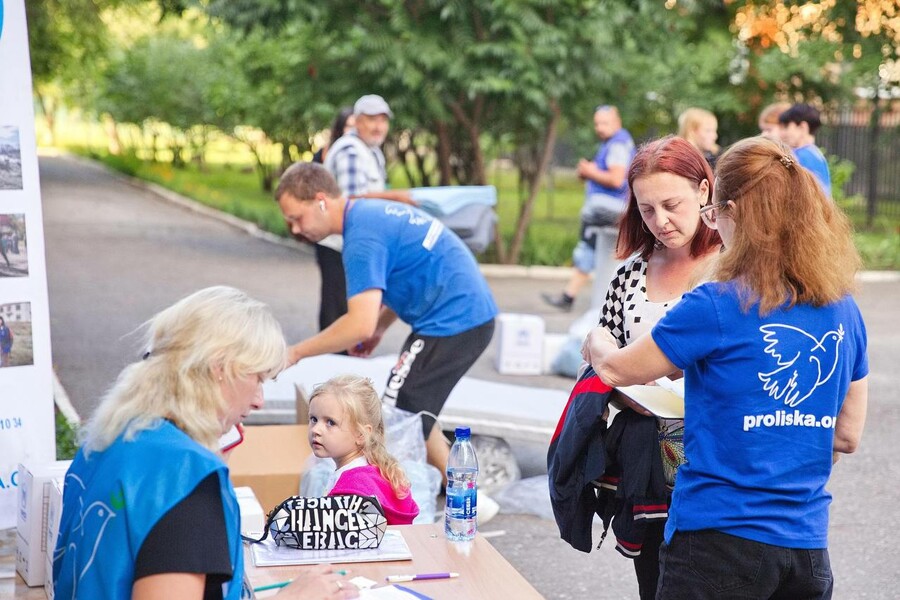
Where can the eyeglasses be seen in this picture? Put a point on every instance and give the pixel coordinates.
(710, 214)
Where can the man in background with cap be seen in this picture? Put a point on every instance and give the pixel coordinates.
(357, 163)
(356, 160)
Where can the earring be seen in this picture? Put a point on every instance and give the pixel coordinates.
(322, 205)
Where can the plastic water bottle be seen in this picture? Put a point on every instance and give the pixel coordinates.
(462, 489)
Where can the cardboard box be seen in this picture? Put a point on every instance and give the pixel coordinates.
(253, 518)
(54, 514)
(520, 349)
(270, 461)
(31, 518)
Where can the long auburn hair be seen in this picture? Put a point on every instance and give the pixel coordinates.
(673, 155)
(363, 406)
(791, 244)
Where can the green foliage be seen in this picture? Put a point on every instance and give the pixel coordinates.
(841, 171)
(66, 438)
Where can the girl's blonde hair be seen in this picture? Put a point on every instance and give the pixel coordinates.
(691, 120)
(214, 328)
(791, 244)
(363, 407)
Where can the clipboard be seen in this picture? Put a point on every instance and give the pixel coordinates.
(664, 400)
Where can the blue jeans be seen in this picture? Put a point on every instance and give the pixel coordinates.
(709, 564)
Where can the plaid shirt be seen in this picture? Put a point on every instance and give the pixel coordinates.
(357, 167)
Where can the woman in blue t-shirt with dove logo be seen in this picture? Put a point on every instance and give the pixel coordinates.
(773, 351)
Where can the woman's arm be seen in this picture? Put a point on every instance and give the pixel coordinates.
(166, 586)
(850, 421)
(636, 364)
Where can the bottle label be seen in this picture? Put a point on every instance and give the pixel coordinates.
(462, 501)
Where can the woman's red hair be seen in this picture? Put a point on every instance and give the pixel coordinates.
(666, 155)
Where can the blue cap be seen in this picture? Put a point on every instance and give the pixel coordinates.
(463, 432)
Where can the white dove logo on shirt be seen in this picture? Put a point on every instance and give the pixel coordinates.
(804, 362)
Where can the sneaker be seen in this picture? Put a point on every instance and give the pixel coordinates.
(563, 301)
(487, 508)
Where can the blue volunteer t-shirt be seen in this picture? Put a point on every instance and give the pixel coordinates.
(811, 158)
(761, 398)
(428, 276)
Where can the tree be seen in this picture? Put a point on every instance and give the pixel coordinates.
(67, 40)
(833, 52)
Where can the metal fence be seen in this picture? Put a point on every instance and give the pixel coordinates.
(875, 153)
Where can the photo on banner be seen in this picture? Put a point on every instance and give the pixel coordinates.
(13, 246)
(10, 158)
(16, 346)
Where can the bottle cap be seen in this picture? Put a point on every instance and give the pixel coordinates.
(463, 432)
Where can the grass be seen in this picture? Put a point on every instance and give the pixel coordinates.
(66, 438)
(549, 241)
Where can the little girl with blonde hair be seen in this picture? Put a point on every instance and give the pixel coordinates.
(346, 424)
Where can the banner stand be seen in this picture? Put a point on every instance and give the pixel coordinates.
(27, 425)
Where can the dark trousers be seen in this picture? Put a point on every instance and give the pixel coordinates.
(333, 303)
(712, 565)
(646, 565)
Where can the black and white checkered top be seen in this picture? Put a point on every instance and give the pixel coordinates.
(627, 313)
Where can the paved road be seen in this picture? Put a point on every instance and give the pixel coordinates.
(116, 254)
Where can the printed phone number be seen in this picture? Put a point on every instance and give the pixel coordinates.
(10, 423)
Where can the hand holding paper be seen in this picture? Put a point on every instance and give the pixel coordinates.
(664, 400)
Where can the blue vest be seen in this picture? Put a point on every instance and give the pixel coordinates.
(621, 192)
(112, 500)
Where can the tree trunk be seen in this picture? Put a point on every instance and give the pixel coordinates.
(113, 143)
(49, 112)
(443, 153)
(471, 127)
(528, 207)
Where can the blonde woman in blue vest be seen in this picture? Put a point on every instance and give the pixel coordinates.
(148, 508)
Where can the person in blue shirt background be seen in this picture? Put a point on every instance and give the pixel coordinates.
(400, 262)
(773, 351)
(606, 194)
(799, 124)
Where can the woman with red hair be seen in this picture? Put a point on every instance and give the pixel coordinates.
(668, 250)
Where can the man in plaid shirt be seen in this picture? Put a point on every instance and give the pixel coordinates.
(357, 164)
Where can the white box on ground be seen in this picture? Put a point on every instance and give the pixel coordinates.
(31, 518)
(520, 346)
(54, 514)
(553, 344)
(253, 518)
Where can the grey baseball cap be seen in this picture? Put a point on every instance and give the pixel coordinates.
(372, 104)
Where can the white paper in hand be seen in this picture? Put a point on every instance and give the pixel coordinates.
(665, 399)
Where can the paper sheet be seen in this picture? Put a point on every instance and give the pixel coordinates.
(392, 547)
(665, 399)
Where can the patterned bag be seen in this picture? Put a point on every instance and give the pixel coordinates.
(340, 522)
